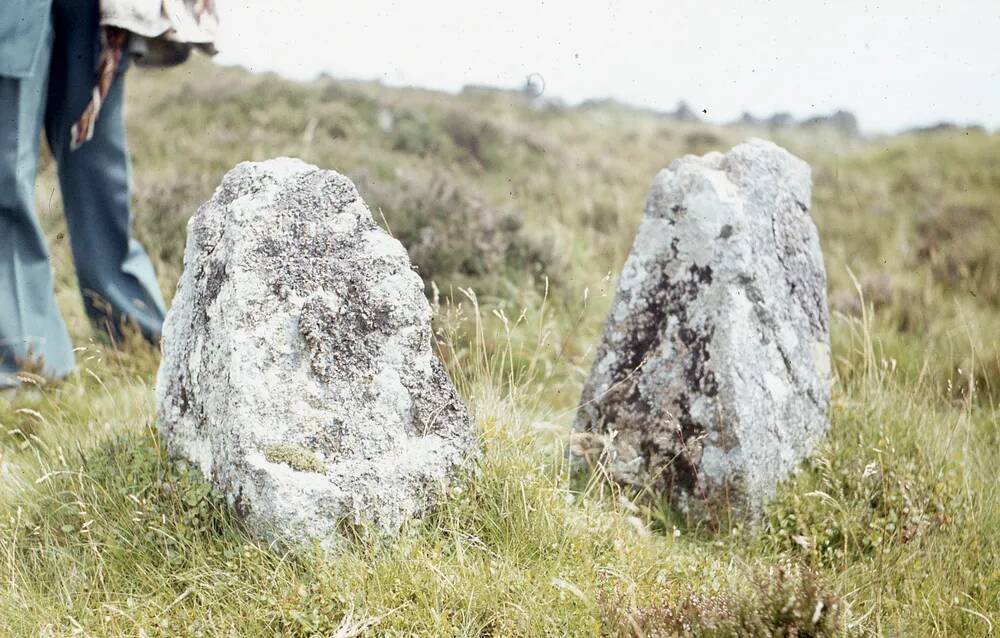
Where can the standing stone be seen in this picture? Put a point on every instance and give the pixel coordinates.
(297, 370)
(711, 381)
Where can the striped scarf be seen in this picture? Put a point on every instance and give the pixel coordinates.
(115, 43)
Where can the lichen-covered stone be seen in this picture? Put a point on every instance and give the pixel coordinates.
(297, 370)
(711, 381)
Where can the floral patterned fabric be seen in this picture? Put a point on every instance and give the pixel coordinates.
(177, 25)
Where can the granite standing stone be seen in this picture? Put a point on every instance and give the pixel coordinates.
(298, 373)
(711, 381)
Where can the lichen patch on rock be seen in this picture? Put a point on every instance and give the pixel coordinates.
(295, 457)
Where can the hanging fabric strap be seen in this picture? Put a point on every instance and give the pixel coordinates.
(114, 45)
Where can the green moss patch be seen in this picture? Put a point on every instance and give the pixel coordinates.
(294, 456)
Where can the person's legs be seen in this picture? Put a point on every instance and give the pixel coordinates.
(114, 271)
(31, 330)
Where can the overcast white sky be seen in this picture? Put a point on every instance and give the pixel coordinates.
(894, 63)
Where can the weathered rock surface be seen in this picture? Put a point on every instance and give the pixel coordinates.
(297, 369)
(711, 379)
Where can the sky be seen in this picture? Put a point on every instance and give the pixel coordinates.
(894, 64)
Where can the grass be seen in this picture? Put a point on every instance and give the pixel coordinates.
(889, 529)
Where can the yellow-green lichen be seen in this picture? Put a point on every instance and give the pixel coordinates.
(294, 456)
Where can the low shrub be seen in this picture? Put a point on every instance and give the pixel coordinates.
(787, 600)
(451, 233)
(853, 506)
(958, 242)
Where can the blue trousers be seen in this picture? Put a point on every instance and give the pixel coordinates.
(114, 273)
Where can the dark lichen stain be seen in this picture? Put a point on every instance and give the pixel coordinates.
(214, 278)
(279, 290)
(210, 280)
(684, 473)
(726, 232)
(240, 504)
(339, 340)
(695, 374)
(626, 409)
(185, 404)
(809, 282)
(437, 405)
